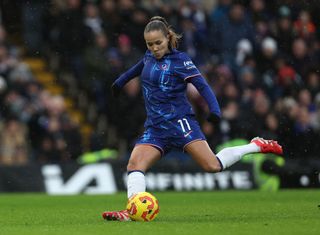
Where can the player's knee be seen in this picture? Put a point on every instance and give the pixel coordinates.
(134, 165)
(131, 166)
(212, 167)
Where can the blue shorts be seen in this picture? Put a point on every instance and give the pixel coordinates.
(172, 134)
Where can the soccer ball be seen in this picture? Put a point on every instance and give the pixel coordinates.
(143, 207)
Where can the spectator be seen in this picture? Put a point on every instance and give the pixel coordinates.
(316, 118)
(7, 62)
(74, 37)
(194, 24)
(283, 31)
(11, 48)
(96, 57)
(313, 83)
(288, 82)
(229, 92)
(134, 121)
(247, 78)
(266, 56)
(231, 125)
(253, 121)
(13, 143)
(258, 11)
(305, 137)
(271, 126)
(134, 28)
(55, 138)
(244, 49)
(92, 18)
(111, 19)
(127, 52)
(305, 100)
(288, 111)
(32, 14)
(304, 27)
(261, 20)
(228, 32)
(220, 11)
(301, 60)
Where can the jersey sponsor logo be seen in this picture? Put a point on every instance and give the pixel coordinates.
(189, 64)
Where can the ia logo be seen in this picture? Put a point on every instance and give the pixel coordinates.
(79, 182)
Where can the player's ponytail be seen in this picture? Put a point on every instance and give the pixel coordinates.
(160, 23)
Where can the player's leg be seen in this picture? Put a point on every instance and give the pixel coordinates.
(142, 158)
(203, 155)
(229, 156)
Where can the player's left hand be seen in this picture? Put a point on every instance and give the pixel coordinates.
(115, 89)
(214, 119)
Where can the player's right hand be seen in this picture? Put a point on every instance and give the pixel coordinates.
(115, 89)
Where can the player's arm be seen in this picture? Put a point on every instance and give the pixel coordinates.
(186, 70)
(206, 92)
(133, 72)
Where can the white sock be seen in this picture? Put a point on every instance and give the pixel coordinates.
(136, 183)
(229, 156)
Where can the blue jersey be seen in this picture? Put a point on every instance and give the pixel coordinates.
(164, 82)
(164, 86)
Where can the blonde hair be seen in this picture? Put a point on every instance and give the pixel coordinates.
(160, 23)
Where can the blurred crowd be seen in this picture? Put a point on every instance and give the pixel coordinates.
(34, 126)
(262, 59)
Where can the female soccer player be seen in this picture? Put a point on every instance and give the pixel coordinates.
(165, 73)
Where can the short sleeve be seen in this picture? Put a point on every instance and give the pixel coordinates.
(185, 68)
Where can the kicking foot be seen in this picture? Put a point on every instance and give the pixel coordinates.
(116, 215)
(268, 146)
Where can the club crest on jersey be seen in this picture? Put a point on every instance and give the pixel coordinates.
(164, 67)
(189, 64)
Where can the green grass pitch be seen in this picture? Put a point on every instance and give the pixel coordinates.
(227, 212)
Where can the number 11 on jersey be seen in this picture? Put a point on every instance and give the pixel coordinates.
(184, 123)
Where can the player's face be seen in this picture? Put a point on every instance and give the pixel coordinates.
(157, 43)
